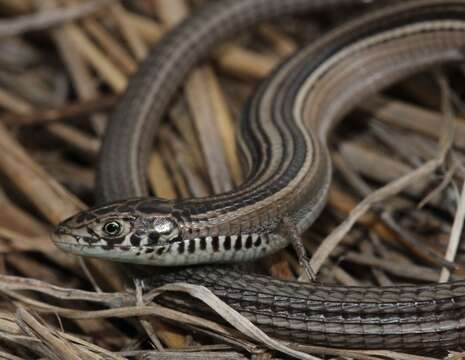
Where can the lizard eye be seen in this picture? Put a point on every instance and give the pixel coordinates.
(113, 228)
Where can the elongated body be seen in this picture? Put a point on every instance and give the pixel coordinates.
(283, 137)
(407, 318)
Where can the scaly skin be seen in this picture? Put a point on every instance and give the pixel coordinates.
(283, 137)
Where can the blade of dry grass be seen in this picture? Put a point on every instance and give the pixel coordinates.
(234, 318)
(445, 142)
(48, 18)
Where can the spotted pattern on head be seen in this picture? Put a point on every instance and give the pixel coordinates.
(148, 232)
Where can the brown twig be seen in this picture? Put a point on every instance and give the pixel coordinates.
(60, 113)
(48, 18)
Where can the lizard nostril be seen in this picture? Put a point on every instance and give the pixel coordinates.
(60, 230)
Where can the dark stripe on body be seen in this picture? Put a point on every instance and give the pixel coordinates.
(191, 246)
(248, 242)
(215, 243)
(227, 243)
(203, 243)
(238, 244)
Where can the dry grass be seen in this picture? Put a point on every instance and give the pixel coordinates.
(63, 65)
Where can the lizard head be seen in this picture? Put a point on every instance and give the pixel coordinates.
(134, 230)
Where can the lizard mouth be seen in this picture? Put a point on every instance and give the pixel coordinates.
(143, 255)
(62, 237)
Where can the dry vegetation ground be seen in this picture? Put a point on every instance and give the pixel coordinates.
(63, 65)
